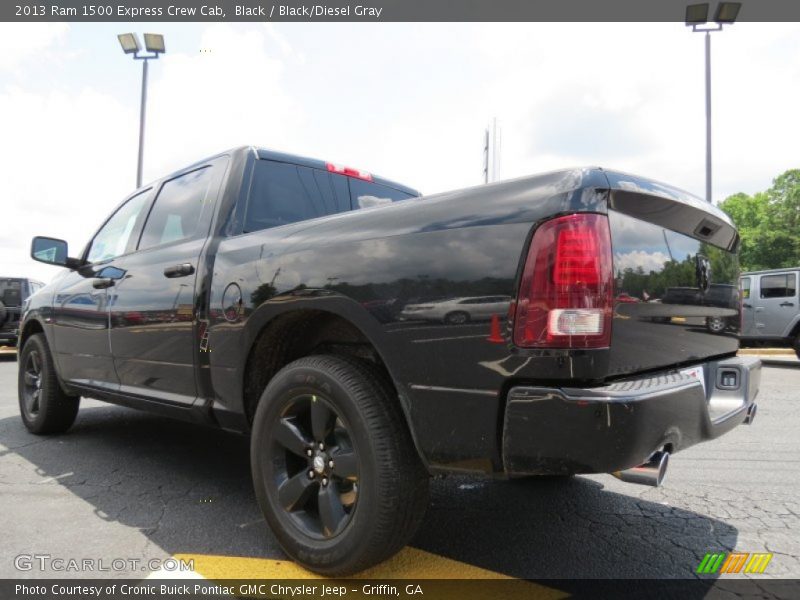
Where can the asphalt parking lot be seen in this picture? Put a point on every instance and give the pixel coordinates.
(125, 484)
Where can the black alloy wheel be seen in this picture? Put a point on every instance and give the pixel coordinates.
(315, 466)
(32, 386)
(44, 406)
(335, 470)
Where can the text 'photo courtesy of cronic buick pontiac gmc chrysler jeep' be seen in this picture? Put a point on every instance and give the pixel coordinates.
(366, 338)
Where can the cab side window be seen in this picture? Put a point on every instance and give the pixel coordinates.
(176, 212)
(778, 286)
(113, 238)
(283, 193)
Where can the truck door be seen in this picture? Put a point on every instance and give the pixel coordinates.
(776, 305)
(81, 300)
(153, 325)
(748, 327)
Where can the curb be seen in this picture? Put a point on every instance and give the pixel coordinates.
(767, 352)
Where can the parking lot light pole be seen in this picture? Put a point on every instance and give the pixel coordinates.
(154, 44)
(697, 18)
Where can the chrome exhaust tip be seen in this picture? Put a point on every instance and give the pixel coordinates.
(751, 414)
(651, 473)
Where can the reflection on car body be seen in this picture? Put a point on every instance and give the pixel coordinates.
(457, 311)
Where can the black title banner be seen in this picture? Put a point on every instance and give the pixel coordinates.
(381, 10)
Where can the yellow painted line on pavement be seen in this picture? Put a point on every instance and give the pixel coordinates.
(410, 563)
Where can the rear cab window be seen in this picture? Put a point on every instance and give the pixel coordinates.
(366, 194)
(282, 193)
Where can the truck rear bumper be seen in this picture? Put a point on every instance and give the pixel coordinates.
(618, 426)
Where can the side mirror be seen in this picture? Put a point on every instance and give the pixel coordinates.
(52, 251)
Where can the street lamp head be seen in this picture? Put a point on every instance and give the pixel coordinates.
(129, 43)
(727, 12)
(154, 42)
(697, 14)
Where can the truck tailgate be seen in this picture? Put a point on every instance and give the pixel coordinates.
(676, 272)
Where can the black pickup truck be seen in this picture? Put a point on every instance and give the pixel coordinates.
(262, 293)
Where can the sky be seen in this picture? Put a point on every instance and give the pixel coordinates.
(407, 101)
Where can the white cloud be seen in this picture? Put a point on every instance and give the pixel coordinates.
(22, 41)
(649, 261)
(232, 95)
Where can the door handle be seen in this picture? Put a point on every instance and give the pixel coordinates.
(787, 303)
(745, 305)
(103, 283)
(181, 270)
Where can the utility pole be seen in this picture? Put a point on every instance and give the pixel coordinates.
(491, 152)
(697, 19)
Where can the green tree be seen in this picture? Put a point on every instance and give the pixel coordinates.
(768, 223)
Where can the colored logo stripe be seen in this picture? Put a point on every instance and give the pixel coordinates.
(711, 563)
(714, 562)
(735, 562)
(758, 563)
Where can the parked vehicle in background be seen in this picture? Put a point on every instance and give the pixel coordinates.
(771, 308)
(724, 297)
(13, 292)
(458, 311)
(259, 292)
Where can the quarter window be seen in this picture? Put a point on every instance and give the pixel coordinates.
(744, 284)
(778, 286)
(176, 212)
(112, 239)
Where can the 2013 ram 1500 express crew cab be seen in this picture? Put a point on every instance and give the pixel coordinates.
(262, 293)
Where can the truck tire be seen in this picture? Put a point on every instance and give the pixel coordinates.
(334, 467)
(797, 345)
(44, 406)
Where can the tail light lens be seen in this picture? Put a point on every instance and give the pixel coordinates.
(566, 294)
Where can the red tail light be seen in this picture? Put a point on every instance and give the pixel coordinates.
(566, 294)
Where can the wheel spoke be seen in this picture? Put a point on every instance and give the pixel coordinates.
(34, 405)
(36, 364)
(331, 510)
(294, 493)
(322, 419)
(345, 464)
(30, 378)
(288, 435)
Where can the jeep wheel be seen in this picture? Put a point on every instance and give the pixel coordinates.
(335, 470)
(44, 406)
